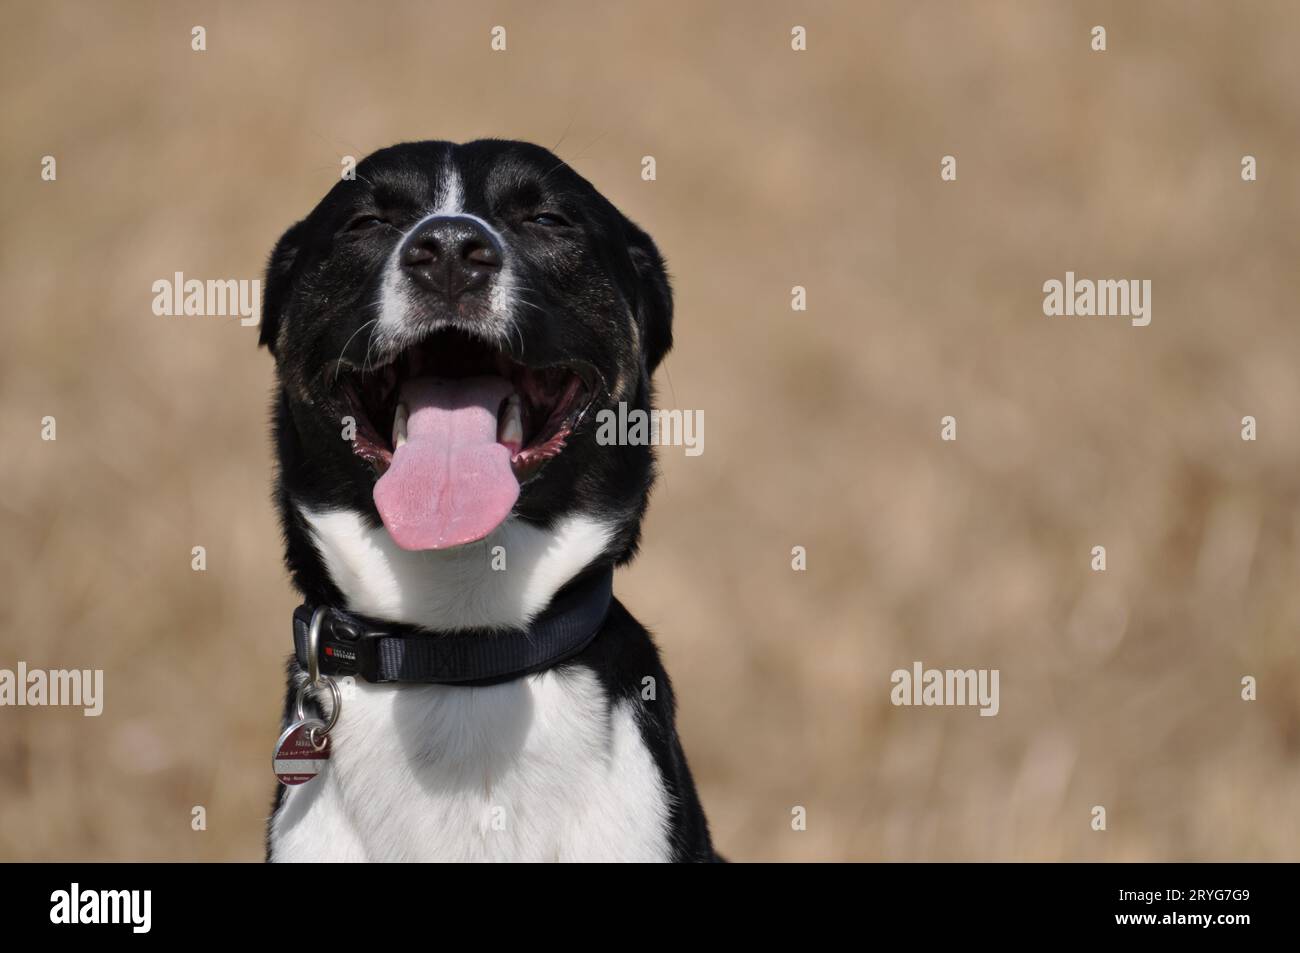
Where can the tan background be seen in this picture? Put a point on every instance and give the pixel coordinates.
(775, 169)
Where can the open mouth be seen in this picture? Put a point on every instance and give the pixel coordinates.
(541, 410)
(466, 425)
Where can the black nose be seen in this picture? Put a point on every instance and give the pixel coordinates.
(450, 255)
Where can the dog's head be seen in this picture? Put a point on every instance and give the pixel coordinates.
(446, 326)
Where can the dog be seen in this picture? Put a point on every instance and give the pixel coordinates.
(445, 328)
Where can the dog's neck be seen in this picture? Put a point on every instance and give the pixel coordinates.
(500, 582)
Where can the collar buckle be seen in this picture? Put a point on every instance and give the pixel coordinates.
(347, 646)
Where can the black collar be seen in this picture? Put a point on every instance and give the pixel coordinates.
(351, 644)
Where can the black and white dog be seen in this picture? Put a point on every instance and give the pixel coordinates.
(445, 328)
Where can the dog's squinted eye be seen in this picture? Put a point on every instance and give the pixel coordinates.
(362, 222)
(549, 220)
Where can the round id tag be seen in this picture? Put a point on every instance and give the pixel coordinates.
(297, 757)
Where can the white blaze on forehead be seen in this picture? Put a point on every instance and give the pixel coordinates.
(451, 193)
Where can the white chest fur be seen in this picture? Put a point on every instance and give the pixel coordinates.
(538, 769)
(541, 768)
(501, 581)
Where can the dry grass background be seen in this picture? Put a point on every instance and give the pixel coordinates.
(775, 169)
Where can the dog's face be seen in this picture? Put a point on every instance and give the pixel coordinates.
(445, 328)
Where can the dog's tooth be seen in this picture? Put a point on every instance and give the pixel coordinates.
(510, 429)
(399, 426)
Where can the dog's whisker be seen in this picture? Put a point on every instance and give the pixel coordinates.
(370, 342)
(338, 365)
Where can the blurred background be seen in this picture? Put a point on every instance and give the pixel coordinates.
(774, 169)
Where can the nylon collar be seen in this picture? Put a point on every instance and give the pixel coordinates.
(351, 644)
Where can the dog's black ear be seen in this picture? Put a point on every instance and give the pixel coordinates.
(275, 289)
(654, 296)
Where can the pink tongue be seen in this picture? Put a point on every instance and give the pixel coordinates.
(451, 482)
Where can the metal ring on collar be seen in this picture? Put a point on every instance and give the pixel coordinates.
(336, 697)
(313, 644)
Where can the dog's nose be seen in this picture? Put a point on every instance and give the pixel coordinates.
(451, 255)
